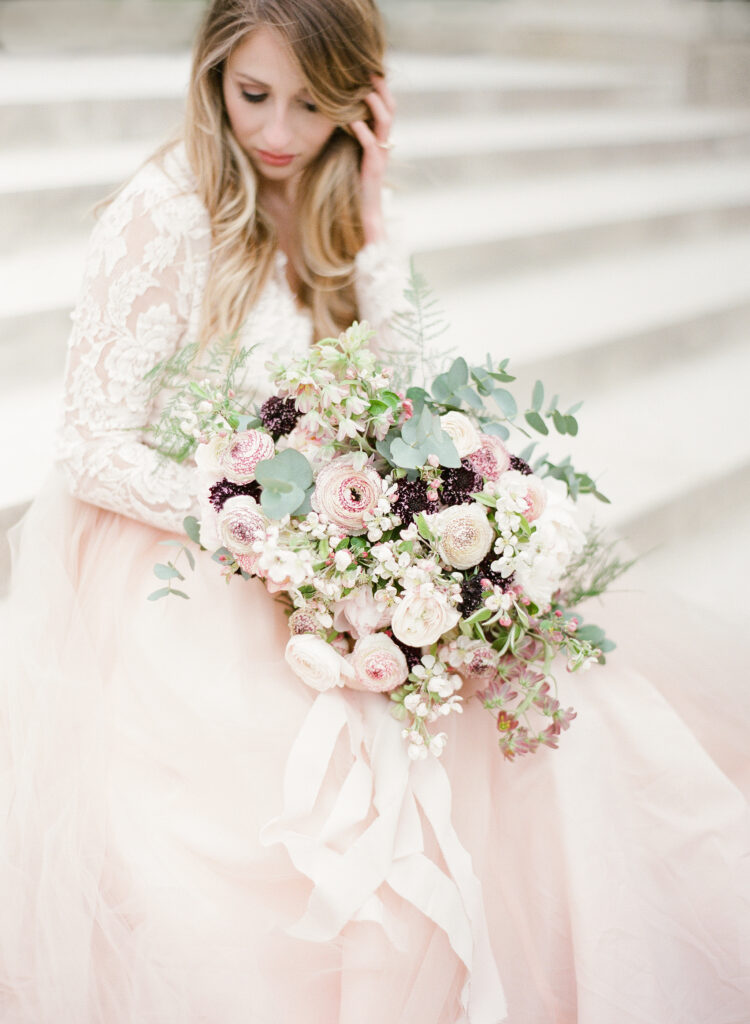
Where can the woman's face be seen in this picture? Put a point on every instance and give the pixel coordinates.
(270, 108)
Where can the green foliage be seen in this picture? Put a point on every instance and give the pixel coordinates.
(201, 387)
(286, 480)
(420, 324)
(594, 570)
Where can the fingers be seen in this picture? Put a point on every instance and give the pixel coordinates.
(365, 136)
(381, 87)
(382, 115)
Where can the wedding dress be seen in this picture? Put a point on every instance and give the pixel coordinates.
(191, 835)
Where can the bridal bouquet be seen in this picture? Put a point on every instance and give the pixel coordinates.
(418, 556)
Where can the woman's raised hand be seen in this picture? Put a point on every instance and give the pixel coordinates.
(375, 144)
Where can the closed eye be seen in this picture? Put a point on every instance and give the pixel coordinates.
(254, 97)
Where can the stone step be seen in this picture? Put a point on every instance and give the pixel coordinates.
(640, 31)
(701, 211)
(484, 150)
(460, 234)
(47, 193)
(596, 323)
(142, 96)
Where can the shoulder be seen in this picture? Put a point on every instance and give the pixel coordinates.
(163, 194)
(157, 219)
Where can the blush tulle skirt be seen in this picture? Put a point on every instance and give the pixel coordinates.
(191, 835)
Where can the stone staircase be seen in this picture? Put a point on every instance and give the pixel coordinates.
(587, 218)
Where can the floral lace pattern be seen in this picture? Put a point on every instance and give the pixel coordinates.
(141, 300)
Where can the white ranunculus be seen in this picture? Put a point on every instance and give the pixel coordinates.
(464, 534)
(316, 662)
(241, 523)
(360, 614)
(422, 616)
(379, 664)
(462, 433)
(346, 493)
(209, 456)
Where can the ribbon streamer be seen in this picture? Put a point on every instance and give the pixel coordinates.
(389, 847)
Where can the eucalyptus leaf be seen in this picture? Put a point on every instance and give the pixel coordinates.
(405, 455)
(281, 498)
(442, 446)
(192, 528)
(157, 595)
(441, 389)
(506, 402)
(167, 572)
(383, 447)
(537, 396)
(560, 421)
(591, 634)
(458, 374)
(468, 394)
(536, 422)
(572, 425)
(306, 505)
(190, 557)
(497, 430)
(288, 466)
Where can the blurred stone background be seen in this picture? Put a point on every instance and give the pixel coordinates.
(573, 176)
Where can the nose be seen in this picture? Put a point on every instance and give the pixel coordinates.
(277, 130)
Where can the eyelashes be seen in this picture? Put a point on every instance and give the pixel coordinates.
(258, 97)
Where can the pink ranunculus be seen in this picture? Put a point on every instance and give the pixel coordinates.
(422, 616)
(345, 494)
(243, 453)
(379, 664)
(302, 622)
(360, 614)
(491, 459)
(536, 498)
(241, 523)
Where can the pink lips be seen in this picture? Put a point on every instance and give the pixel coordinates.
(275, 159)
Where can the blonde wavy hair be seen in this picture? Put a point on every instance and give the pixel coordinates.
(339, 45)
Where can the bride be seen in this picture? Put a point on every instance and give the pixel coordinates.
(190, 835)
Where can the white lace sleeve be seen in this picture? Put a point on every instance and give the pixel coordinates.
(135, 309)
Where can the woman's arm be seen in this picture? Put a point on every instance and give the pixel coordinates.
(135, 308)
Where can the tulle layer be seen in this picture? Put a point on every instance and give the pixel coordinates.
(194, 836)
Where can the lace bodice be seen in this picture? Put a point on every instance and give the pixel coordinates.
(143, 287)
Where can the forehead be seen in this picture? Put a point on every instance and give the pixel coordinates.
(264, 56)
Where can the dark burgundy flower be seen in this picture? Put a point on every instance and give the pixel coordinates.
(459, 484)
(225, 489)
(279, 416)
(521, 465)
(411, 500)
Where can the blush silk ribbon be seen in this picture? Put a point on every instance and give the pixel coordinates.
(389, 846)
